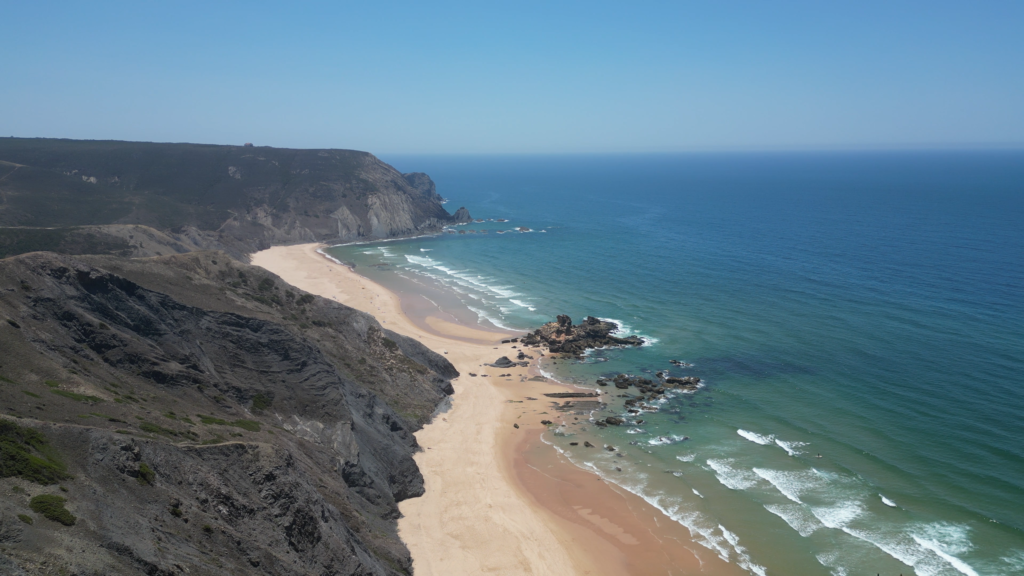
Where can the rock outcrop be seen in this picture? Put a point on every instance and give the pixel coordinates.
(564, 338)
(462, 215)
(211, 420)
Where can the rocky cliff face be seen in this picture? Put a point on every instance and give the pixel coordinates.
(210, 418)
(234, 198)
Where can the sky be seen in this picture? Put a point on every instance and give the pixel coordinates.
(519, 77)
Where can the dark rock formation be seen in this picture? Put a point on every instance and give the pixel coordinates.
(614, 420)
(562, 337)
(211, 416)
(503, 362)
(572, 395)
(462, 215)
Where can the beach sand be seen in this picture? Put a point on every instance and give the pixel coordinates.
(498, 500)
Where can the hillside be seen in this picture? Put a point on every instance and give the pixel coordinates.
(236, 198)
(192, 411)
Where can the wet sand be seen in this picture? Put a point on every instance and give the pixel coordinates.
(498, 499)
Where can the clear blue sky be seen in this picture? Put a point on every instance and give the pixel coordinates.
(395, 77)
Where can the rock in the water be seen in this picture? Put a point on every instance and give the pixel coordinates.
(562, 337)
(587, 444)
(614, 420)
(546, 422)
(462, 215)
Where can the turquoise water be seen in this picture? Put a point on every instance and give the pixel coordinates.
(865, 307)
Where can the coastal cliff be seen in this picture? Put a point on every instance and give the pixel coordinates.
(193, 411)
(239, 199)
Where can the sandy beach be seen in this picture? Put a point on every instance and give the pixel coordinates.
(499, 500)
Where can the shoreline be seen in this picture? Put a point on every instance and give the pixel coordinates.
(498, 499)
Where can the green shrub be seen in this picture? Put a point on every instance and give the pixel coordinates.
(52, 383)
(261, 401)
(176, 512)
(210, 420)
(25, 518)
(265, 285)
(32, 394)
(6, 379)
(52, 507)
(154, 429)
(146, 474)
(207, 528)
(77, 397)
(390, 344)
(25, 453)
(250, 425)
(305, 299)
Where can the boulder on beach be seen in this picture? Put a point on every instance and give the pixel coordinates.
(503, 362)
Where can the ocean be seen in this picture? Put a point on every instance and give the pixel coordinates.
(864, 307)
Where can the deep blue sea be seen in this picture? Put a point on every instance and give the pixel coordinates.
(867, 307)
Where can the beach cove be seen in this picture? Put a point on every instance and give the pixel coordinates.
(498, 499)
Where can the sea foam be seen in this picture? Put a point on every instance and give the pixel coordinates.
(730, 477)
(797, 517)
(755, 437)
(792, 484)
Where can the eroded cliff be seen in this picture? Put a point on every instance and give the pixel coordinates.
(210, 418)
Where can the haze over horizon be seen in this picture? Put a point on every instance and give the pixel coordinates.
(403, 78)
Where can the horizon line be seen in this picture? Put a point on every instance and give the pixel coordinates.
(821, 148)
